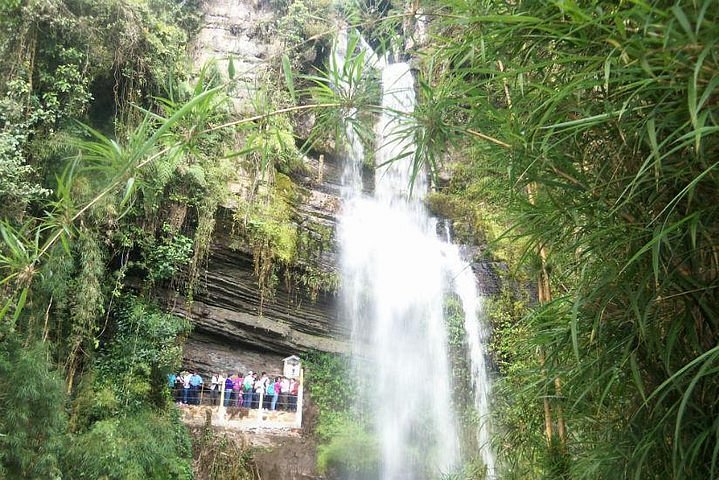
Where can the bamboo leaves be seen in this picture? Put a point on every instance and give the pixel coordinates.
(103, 158)
(613, 116)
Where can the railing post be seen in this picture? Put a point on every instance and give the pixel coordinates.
(221, 408)
(298, 413)
(259, 408)
(202, 392)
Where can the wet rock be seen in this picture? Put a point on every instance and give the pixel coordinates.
(235, 327)
(488, 276)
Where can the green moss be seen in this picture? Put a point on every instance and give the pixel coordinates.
(476, 222)
(466, 216)
(266, 224)
(314, 239)
(270, 228)
(273, 144)
(283, 243)
(315, 280)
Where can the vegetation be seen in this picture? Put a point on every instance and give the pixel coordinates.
(220, 456)
(347, 447)
(594, 125)
(588, 128)
(113, 164)
(97, 161)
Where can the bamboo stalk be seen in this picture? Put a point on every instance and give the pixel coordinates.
(545, 295)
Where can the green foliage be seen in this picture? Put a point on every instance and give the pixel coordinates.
(78, 206)
(314, 280)
(328, 378)
(67, 59)
(123, 424)
(280, 239)
(33, 421)
(271, 145)
(191, 171)
(476, 203)
(380, 23)
(313, 240)
(144, 348)
(129, 372)
(303, 27)
(462, 397)
(347, 446)
(180, 190)
(473, 469)
(86, 299)
(267, 225)
(17, 187)
(349, 94)
(163, 259)
(143, 445)
(518, 390)
(351, 451)
(603, 111)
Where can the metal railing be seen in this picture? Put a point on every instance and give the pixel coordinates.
(203, 395)
(222, 399)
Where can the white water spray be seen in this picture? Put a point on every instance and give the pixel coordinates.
(397, 273)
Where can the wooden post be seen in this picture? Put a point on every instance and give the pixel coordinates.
(202, 392)
(321, 168)
(545, 295)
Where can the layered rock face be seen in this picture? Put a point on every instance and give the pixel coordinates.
(235, 327)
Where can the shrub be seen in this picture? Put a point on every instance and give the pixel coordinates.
(138, 446)
(33, 422)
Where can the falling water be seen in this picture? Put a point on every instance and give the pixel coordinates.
(397, 273)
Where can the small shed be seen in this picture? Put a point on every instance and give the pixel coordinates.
(292, 366)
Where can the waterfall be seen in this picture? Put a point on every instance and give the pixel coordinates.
(465, 286)
(397, 273)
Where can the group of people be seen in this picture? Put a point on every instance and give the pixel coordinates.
(185, 387)
(248, 391)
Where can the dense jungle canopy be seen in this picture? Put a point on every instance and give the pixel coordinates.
(579, 139)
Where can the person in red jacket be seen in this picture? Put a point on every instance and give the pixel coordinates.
(294, 390)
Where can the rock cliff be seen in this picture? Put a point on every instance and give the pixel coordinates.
(236, 328)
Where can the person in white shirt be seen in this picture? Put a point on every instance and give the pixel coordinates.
(221, 383)
(259, 391)
(215, 388)
(186, 387)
